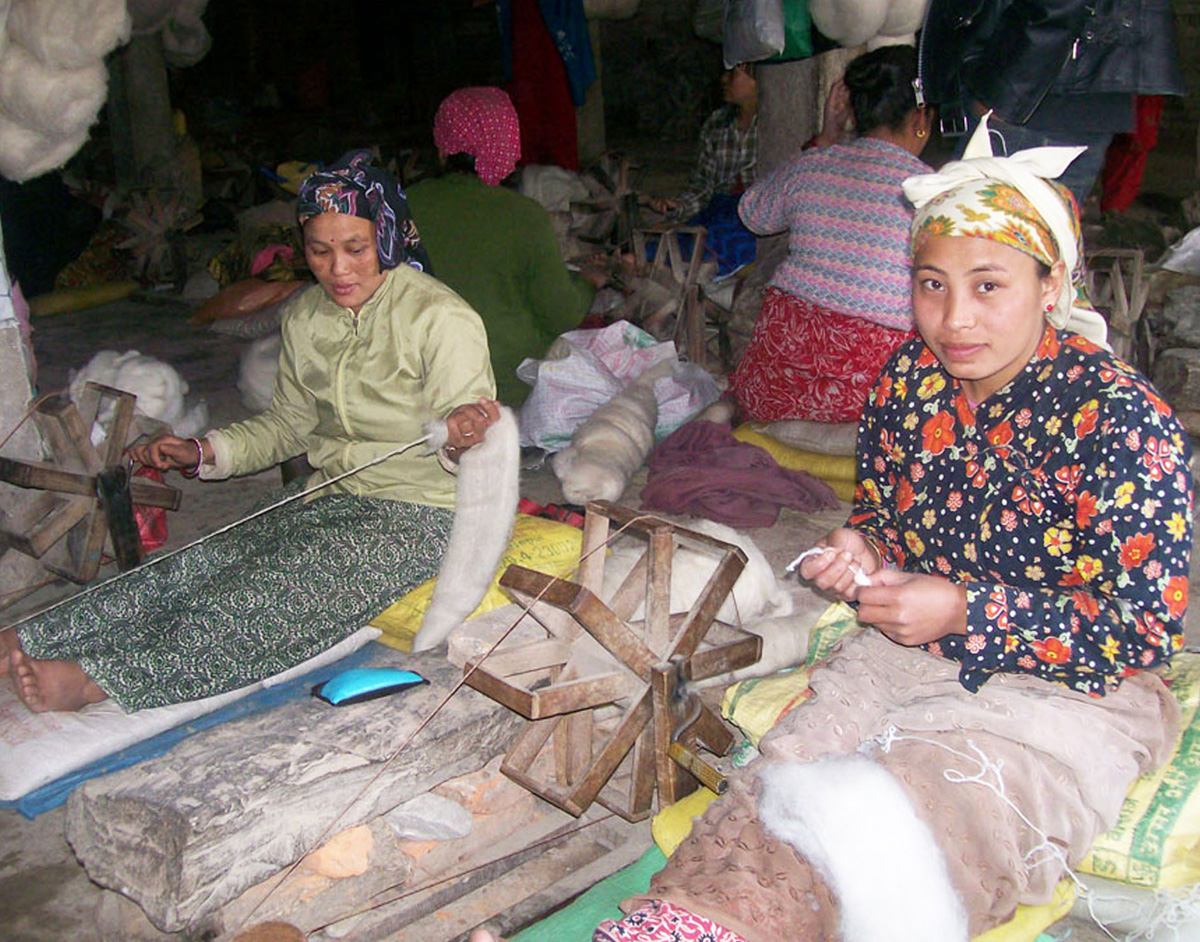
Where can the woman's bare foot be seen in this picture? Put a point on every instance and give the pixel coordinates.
(483, 935)
(46, 686)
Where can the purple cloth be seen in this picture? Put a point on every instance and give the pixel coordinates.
(701, 469)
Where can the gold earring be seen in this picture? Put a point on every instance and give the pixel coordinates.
(921, 132)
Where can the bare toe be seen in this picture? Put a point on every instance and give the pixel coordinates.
(46, 686)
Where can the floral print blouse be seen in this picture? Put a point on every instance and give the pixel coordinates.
(1063, 503)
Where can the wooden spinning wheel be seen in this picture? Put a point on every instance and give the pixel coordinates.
(603, 693)
(87, 494)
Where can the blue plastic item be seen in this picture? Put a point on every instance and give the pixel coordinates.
(365, 683)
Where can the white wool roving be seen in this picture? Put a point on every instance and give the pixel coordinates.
(850, 818)
(485, 509)
(52, 78)
(55, 102)
(157, 385)
(756, 594)
(26, 153)
(69, 34)
(612, 442)
(257, 370)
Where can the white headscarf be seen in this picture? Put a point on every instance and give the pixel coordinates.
(1028, 172)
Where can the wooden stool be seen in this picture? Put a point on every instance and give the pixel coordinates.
(596, 661)
(88, 493)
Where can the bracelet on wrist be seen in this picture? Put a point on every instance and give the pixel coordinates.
(191, 473)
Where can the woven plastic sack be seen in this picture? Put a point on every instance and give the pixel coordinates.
(754, 30)
(585, 368)
(1156, 841)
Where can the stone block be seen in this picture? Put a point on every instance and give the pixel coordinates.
(429, 817)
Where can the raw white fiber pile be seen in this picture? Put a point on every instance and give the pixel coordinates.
(159, 388)
(257, 370)
(52, 78)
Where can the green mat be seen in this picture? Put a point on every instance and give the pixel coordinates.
(574, 923)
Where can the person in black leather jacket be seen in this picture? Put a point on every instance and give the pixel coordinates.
(1052, 71)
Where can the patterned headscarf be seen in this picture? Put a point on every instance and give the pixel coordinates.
(480, 121)
(1015, 201)
(353, 187)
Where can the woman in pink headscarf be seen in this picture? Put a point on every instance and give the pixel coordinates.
(494, 246)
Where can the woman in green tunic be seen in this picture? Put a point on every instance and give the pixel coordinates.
(491, 244)
(369, 356)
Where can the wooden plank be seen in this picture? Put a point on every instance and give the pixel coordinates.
(509, 660)
(511, 695)
(98, 525)
(573, 746)
(641, 794)
(584, 694)
(528, 744)
(41, 475)
(69, 438)
(711, 661)
(711, 730)
(632, 591)
(44, 533)
(589, 611)
(704, 610)
(118, 432)
(658, 589)
(591, 553)
(667, 774)
(614, 635)
(628, 729)
(498, 886)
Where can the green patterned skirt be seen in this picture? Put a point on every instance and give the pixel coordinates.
(247, 603)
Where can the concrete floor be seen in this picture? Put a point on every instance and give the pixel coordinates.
(45, 894)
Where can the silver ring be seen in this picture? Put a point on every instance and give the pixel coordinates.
(468, 434)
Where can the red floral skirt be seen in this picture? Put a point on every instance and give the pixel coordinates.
(660, 921)
(808, 362)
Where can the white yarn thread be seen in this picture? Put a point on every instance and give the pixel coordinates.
(1171, 909)
(860, 577)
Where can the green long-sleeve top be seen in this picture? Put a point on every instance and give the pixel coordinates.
(351, 388)
(498, 250)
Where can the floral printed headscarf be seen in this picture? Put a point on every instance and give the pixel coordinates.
(353, 187)
(1015, 201)
(480, 121)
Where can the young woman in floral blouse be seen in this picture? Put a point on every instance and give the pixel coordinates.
(1023, 522)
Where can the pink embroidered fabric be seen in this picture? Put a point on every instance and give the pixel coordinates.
(480, 121)
(659, 921)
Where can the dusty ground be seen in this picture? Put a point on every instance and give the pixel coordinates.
(44, 893)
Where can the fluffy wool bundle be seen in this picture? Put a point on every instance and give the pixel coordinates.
(613, 442)
(58, 102)
(157, 385)
(26, 153)
(485, 508)
(874, 22)
(68, 34)
(852, 820)
(257, 370)
(52, 78)
(756, 594)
